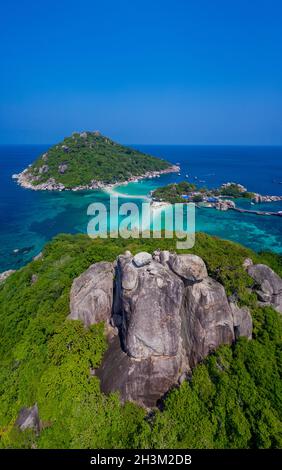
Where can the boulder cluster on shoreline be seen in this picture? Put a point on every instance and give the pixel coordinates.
(258, 198)
(225, 205)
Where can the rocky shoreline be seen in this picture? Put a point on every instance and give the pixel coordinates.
(259, 198)
(26, 180)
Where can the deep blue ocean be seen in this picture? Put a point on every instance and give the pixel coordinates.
(30, 218)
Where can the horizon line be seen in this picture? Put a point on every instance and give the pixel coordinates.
(160, 144)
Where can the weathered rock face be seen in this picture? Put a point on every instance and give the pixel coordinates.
(141, 259)
(150, 301)
(242, 320)
(34, 278)
(169, 315)
(207, 319)
(190, 267)
(29, 419)
(91, 296)
(142, 381)
(62, 168)
(268, 285)
(43, 169)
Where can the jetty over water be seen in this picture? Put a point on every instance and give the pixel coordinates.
(250, 211)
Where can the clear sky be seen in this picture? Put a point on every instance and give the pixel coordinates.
(158, 71)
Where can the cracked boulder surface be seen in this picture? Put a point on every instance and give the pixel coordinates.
(168, 315)
(91, 296)
(268, 285)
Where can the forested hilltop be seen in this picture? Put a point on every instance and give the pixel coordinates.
(231, 400)
(87, 159)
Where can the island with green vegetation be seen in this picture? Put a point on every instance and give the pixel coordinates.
(179, 192)
(221, 198)
(89, 160)
(51, 394)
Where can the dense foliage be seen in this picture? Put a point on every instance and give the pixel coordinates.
(176, 192)
(81, 158)
(234, 190)
(232, 400)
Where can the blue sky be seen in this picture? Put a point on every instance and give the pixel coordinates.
(158, 71)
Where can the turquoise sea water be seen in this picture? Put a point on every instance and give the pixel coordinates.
(30, 218)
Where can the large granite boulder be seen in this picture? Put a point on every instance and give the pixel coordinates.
(148, 358)
(150, 300)
(189, 267)
(207, 319)
(169, 316)
(141, 259)
(242, 321)
(268, 285)
(91, 296)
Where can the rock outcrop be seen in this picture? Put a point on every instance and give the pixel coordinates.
(168, 313)
(189, 267)
(43, 169)
(207, 320)
(62, 168)
(5, 274)
(268, 285)
(143, 381)
(150, 303)
(141, 259)
(34, 278)
(29, 419)
(91, 296)
(242, 320)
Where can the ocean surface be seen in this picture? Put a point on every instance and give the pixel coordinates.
(30, 218)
